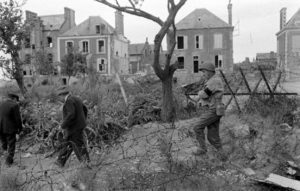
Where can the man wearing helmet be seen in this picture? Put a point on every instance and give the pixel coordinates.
(211, 100)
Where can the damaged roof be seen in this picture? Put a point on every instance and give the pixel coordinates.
(53, 22)
(88, 27)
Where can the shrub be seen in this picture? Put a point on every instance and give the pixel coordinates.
(279, 108)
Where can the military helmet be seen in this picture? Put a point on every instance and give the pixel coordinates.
(207, 66)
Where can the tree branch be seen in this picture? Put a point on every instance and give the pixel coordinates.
(130, 1)
(132, 10)
(173, 67)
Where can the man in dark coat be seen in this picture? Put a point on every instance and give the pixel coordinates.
(10, 125)
(73, 125)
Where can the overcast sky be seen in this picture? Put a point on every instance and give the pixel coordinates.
(256, 21)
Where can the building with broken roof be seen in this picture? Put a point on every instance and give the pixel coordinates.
(203, 37)
(288, 44)
(42, 33)
(106, 47)
(140, 57)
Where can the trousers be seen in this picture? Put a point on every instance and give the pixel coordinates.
(210, 120)
(74, 142)
(8, 144)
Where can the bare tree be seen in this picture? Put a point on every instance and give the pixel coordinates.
(167, 30)
(11, 34)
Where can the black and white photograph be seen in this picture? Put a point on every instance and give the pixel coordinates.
(154, 95)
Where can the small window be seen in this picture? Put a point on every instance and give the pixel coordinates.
(101, 46)
(199, 42)
(97, 29)
(218, 61)
(49, 42)
(50, 58)
(33, 46)
(218, 39)
(196, 64)
(24, 72)
(117, 53)
(101, 65)
(180, 62)
(85, 46)
(180, 42)
(69, 47)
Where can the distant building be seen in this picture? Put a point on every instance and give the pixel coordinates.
(139, 57)
(288, 44)
(203, 37)
(106, 47)
(266, 57)
(42, 33)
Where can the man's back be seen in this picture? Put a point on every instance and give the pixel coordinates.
(10, 120)
(74, 114)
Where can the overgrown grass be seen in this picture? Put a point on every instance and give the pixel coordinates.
(279, 108)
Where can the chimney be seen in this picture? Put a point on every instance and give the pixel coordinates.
(119, 22)
(229, 8)
(282, 17)
(69, 17)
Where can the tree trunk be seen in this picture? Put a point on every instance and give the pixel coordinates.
(18, 73)
(21, 85)
(168, 111)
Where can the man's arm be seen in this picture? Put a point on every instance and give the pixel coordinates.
(18, 118)
(68, 114)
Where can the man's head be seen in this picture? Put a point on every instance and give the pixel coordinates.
(61, 92)
(208, 69)
(13, 96)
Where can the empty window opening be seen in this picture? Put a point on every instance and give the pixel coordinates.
(180, 42)
(180, 62)
(49, 42)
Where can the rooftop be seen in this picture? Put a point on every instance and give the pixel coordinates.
(201, 18)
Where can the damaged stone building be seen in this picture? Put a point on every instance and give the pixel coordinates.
(105, 47)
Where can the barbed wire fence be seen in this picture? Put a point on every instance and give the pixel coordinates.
(149, 156)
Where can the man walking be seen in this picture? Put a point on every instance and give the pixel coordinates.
(211, 100)
(73, 125)
(10, 125)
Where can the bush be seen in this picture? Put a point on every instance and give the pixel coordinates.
(280, 108)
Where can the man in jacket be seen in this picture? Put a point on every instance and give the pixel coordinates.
(73, 125)
(211, 99)
(10, 125)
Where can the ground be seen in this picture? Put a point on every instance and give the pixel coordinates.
(158, 156)
(149, 156)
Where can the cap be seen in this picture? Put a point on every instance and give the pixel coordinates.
(207, 66)
(13, 96)
(63, 90)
